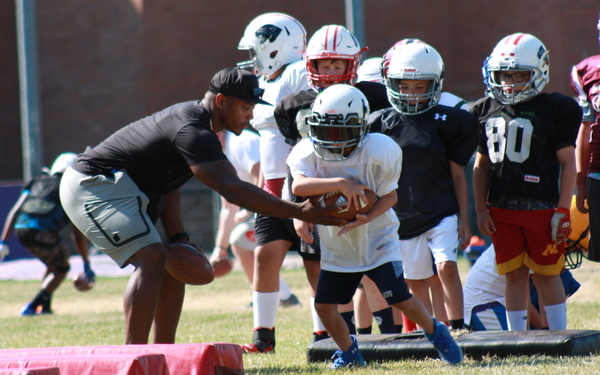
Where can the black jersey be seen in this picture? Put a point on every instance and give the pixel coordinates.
(521, 141)
(429, 141)
(292, 109)
(157, 151)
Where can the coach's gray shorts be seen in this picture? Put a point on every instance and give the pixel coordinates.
(109, 211)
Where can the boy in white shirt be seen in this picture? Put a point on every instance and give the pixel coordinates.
(340, 154)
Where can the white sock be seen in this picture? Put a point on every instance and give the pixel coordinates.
(317, 324)
(265, 307)
(556, 316)
(284, 290)
(517, 320)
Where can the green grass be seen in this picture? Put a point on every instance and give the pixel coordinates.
(215, 313)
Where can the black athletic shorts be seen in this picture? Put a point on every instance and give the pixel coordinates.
(268, 229)
(339, 287)
(46, 246)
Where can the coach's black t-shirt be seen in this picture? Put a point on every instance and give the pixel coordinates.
(157, 150)
(521, 141)
(429, 141)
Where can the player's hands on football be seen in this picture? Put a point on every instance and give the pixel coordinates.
(485, 223)
(355, 193)
(304, 230)
(560, 225)
(313, 213)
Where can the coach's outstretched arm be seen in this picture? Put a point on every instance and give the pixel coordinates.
(222, 177)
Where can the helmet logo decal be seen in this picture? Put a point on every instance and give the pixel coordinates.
(268, 33)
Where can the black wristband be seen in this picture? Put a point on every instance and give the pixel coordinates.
(178, 236)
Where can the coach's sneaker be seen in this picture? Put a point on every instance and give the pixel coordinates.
(291, 301)
(349, 358)
(441, 339)
(263, 341)
(29, 310)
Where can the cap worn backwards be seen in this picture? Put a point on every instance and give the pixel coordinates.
(238, 83)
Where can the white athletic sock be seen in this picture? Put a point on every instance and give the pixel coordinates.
(317, 324)
(556, 316)
(284, 290)
(517, 320)
(265, 307)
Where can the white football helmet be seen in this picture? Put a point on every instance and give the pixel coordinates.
(62, 162)
(388, 55)
(273, 40)
(332, 42)
(414, 61)
(338, 121)
(517, 52)
(370, 70)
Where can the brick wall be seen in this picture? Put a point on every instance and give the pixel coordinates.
(106, 63)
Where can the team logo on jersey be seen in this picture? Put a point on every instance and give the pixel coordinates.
(534, 179)
(550, 249)
(440, 117)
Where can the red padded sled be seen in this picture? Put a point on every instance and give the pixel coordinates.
(192, 359)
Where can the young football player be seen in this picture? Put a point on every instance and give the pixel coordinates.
(333, 55)
(438, 141)
(340, 155)
(585, 81)
(524, 175)
(275, 42)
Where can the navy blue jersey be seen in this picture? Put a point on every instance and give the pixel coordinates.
(521, 141)
(157, 151)
(429, 141)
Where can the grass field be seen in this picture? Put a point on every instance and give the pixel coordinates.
(215, 313)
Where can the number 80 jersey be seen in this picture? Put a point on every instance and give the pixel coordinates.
(521, 141)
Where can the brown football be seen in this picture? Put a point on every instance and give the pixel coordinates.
(222, 266)
(188, 264)
(336, 198)
(81, 284)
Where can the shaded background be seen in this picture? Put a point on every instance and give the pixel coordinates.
(104, 64)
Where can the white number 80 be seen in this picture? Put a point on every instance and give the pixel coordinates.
(513, 140)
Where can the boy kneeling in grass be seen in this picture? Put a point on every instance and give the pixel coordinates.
(341, 155)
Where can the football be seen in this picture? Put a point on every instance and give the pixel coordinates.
(222, 266)
(81, 284)
(188, 264)
(337, 199)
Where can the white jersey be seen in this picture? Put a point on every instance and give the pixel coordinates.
(377, 164)
(243, 152)
(483, 284)
(273, 148)
(451, 100)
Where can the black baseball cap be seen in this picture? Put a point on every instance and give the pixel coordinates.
(238, 83)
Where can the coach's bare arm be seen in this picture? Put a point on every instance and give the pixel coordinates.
(222, 177)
